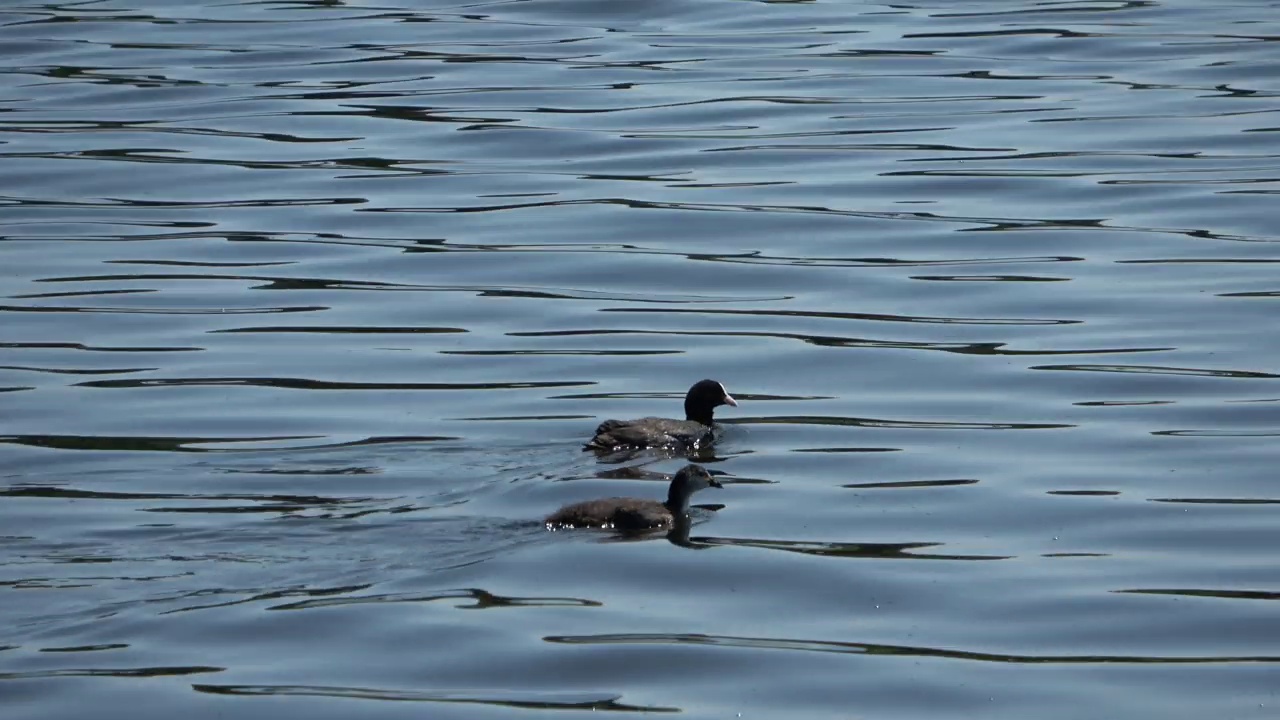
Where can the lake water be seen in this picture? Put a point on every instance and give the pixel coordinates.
(309, 306)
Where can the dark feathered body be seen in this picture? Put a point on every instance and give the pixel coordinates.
(692, 432)
(623, 513)
(651, 432)
(620, 513)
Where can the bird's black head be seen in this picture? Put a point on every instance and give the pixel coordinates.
(703, 398)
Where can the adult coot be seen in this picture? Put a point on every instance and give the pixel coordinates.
(620, 513)
(695, 430)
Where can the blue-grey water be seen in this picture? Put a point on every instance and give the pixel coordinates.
(306, 308)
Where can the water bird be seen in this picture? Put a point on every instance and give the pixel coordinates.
(622, 513)
(695, 430)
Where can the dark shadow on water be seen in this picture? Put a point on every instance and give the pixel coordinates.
(307, 384)
(94, 348)
(522, 699)
(846, 450)
(877, 423)
(558, 353)
(856, 648)
(145, 672)
(1206, 593)
(989, 278)
(878, 551)
(515, 418)
(77, 371)
(757, 258)
(639, 472)
(1158, 370)
(189, 444)
(1217, 433)
(833, 315)
(1218, 501)
(911, 484)
(261, 596)
(481, 600)
(163, 311)
(680, 534)
(317, 506)
(343, 329)
(85, 648)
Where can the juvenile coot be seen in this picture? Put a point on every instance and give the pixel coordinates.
(699, 405)
(620, 513)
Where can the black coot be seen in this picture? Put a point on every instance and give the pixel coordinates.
(695, 430)
(635, 513)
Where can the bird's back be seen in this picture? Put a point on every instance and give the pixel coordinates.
(620, 513)
(648, 432)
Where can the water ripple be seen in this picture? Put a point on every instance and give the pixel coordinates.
(526, 700)
(308, 384)
(492, 225)
(898, 650)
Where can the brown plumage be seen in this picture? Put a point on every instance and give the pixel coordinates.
(622, 513)
(692, 432)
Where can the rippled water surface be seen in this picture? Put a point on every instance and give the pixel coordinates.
(309, 306)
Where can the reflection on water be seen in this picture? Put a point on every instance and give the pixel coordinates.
(523, 700)
(872, 649)
(894, 551)
(485, 228)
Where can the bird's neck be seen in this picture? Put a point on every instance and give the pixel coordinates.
(698, 416)
(677, 502)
